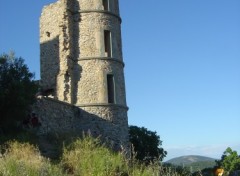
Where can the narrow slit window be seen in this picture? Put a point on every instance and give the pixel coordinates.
(105, 5)
(111, 89)
(107, 43)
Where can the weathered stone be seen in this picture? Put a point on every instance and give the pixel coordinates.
(81, 60)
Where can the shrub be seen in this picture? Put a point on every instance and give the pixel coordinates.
(25, 159)
(89, 157)
(17, 90)
(85, 157)
(146, 144)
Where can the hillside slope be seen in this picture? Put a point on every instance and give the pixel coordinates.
(186, 160)
(193, 162)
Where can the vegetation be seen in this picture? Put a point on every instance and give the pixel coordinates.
(230, 161)
(17, 89)
(146, 144)
(87, 156)
(199, 166)
(193, 163)
(189, 159)
(82, 157)
(25, 159)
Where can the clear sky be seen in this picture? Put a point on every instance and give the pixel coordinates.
(182, 67)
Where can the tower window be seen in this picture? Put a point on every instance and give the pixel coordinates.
(107, 43)
(105, 5)
(111, 89)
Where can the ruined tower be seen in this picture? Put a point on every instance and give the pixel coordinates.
(82, 67)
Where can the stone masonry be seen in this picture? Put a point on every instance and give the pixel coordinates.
(82, 69)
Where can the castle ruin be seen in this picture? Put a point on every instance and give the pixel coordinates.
(82, 70)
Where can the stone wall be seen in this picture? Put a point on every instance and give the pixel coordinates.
(97, 5)
(91, 38)
(108, 122)
(49, 44)
(92, 84)
(67, 37)
(75, 65)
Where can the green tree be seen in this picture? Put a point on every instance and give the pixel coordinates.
(17, 89)
(146, 144)
(230, 161)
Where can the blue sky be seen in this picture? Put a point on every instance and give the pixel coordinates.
(182, 67)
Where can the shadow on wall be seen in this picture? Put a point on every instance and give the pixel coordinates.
(49, 64)
(60, 71)
(60, 74)
(61, 122)
(75, 49)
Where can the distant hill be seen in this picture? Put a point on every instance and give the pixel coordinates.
(186, 160)
(193, 162)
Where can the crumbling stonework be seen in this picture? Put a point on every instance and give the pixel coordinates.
(82, 64)
(58, 117)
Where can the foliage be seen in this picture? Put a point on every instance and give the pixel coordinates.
(90, 157)
(230, 160)
(22, 136)
(201, 165)
(146, 144)
(25, 159)
(170, 168)
(85, 156)
(17, 89)
(191, 159)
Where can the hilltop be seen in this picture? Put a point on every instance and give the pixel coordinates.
(193, 162)
(189, 159)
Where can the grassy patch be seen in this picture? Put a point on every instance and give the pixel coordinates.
(83, 157)
(25, 159)
(89, 157)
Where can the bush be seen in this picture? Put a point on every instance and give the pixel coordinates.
(84, 157)
(146, 144)
(17, 89)
(25, 159)
(89, 157)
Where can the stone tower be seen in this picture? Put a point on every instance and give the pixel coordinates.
(82, 66)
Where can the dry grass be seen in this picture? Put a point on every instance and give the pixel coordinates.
(25, 159)
(84, 157)
(89, 157)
